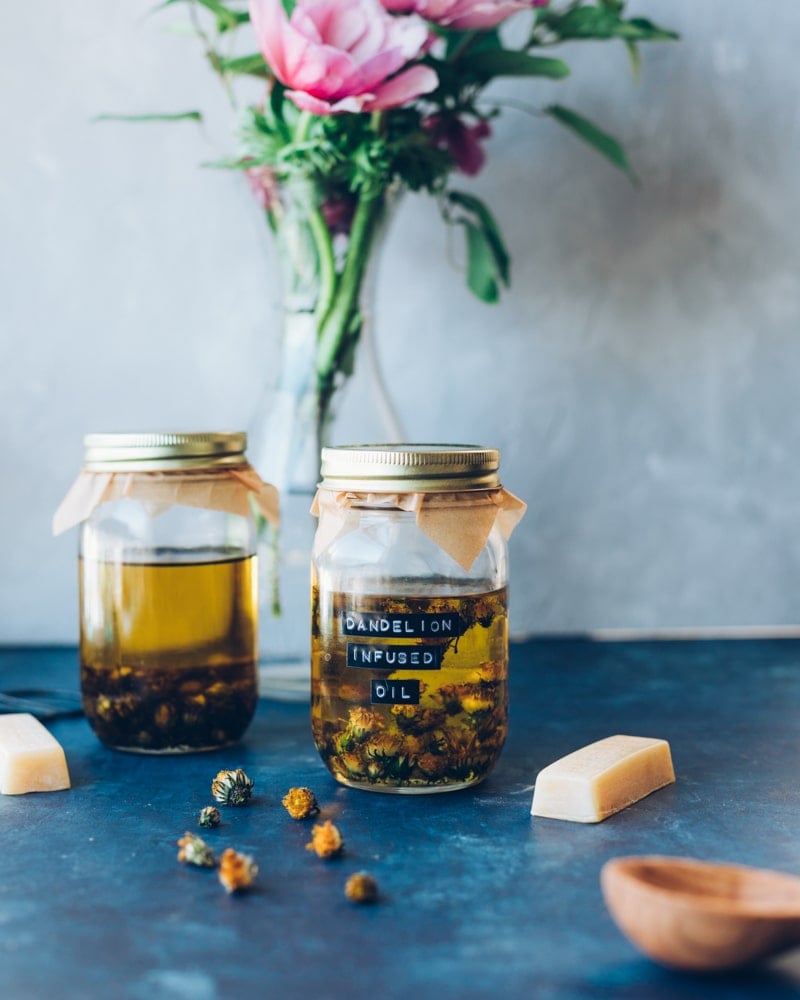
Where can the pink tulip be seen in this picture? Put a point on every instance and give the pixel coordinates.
(343, 55)
(463, 15)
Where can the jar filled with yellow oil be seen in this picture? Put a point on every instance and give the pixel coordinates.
(409, 663)
(168, 588)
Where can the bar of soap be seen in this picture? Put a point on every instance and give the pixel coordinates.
(600, 779)
(31, 758)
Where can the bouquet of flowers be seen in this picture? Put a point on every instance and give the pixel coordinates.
(362, 99)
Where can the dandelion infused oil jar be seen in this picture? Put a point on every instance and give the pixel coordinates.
(409, 661)
(168, 588)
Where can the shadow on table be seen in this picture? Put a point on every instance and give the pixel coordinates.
(777, 980)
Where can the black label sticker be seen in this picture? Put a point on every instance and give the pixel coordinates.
(413, 625)
(389, 692)
(385, 656)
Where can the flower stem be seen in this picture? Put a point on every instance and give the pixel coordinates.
(303, 126)
(327, 263)
(336, 326)
(320, 233)
(463, 45)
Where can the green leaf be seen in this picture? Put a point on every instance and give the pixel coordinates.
(601, 141)
(261, 139)
(484, 219)
(459, 42)
(586, 22)
(636, 61)
(488, 262)
(227, 19)
(227, 163)
(194, 116)
(602, 23)
(481, 275)
(276, 107)
(252, 65)
(641, 29)
(485, 65)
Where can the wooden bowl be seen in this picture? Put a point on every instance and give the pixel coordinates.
(701, 915)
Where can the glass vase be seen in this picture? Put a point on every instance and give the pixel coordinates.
(328, 243)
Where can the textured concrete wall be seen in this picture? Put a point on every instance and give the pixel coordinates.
(640, 377)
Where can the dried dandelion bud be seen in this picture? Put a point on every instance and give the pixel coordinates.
(210, 816)
(300, 803)
(363, 721)
(232, 788)
(236, 871)
(326, 840)
(361, 888)
(193, 850)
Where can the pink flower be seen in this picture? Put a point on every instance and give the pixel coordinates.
(463, 15)
(461, 141)
(338, 212)
(343, 55)
(263, 185)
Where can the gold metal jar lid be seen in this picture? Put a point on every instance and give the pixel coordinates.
(410, 468)
(163, 450)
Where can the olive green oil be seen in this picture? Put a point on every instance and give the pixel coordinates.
(409, 693)
(168, 650)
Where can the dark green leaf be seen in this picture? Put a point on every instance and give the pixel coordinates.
(459, 42)
(643, 30)
(276, 104)
(601, 23)
(586, 22)
(481, 274)
(484, 219)
(194, 116)
(484, 66)
(488, 263)
(599, 140)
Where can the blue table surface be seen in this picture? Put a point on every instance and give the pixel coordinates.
(478, 898)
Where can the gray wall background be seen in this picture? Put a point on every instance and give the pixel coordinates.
(641, 376)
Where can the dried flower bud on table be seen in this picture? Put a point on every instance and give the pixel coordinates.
(236, 871)
(300, 803)
(209, 816)
(361, 888)
(193, 850)
(326, 841)
(232, 788)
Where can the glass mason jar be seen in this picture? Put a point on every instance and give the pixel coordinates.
(409, 661)
(168, 590)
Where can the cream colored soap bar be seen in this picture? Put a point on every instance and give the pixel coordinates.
(600, 779)
(31, 758)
